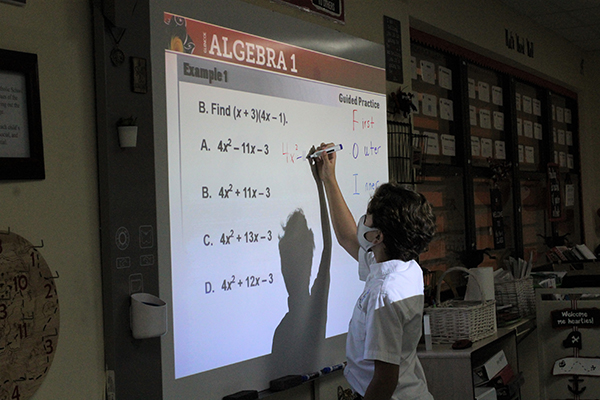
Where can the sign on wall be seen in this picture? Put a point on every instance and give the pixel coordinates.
(393, 50)
(329, 8)
(555, 202)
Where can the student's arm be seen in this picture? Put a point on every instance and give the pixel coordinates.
(342, 220)
(320, 289)
(384, 381)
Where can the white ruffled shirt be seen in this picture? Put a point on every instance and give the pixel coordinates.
(386, 326)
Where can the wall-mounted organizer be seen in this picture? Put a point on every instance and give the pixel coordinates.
(446, 195)
(432, 82)
(489, 130)
(565, 154)
(406, 153)
(486, 115)
(148, 316)
(530, 127)
(491, 182)
(532, 158)
(436, 91)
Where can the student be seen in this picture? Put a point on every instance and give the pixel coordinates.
(385, 328)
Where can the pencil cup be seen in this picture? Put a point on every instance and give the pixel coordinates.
(480, 286)
(148, 316)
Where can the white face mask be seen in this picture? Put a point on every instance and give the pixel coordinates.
(362, 230)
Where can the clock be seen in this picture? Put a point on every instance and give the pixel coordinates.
(29, 317)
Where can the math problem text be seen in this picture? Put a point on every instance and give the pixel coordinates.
(228, 146)
(233, 283)
(257, 115)
(232, 237)
(231, 191)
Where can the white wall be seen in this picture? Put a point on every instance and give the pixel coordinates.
(480, 25)
(62, 210)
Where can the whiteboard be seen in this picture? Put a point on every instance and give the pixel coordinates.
(256, 285)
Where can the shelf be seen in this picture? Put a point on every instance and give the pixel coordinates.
(449, 372)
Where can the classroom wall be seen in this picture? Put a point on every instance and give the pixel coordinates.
(62, 210)
(556, 60)
(479, 25)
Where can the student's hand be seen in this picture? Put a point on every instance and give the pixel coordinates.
(342, 219)
(326, 163)
(313, 165)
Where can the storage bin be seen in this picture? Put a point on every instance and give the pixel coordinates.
(519, 293)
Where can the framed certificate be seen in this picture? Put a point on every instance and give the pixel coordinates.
(21, 147)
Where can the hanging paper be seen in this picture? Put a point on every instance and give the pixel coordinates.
(555, 203)
(484, 91)
(472, 91)
(497, 95)
(497, 219)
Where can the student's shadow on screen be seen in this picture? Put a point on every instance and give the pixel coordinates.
(300, 336)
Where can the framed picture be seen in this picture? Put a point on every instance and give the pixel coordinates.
(21, 146)
(16, 2)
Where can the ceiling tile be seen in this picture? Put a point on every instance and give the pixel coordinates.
(532, 7)
(557, 21)
(587, 16)
(579, 34)
(578, 21)
(574, 4)
(589, 45)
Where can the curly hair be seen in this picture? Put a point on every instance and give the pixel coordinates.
(405, 218)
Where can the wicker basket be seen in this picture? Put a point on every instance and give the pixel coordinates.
(454, 319)
(519, 293)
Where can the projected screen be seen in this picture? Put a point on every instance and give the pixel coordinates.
(255, 267)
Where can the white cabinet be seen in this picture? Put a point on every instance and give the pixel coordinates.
(450, 372)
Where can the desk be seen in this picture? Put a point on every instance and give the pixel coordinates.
(450, 372)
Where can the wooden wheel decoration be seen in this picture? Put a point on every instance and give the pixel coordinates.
(29, 318)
